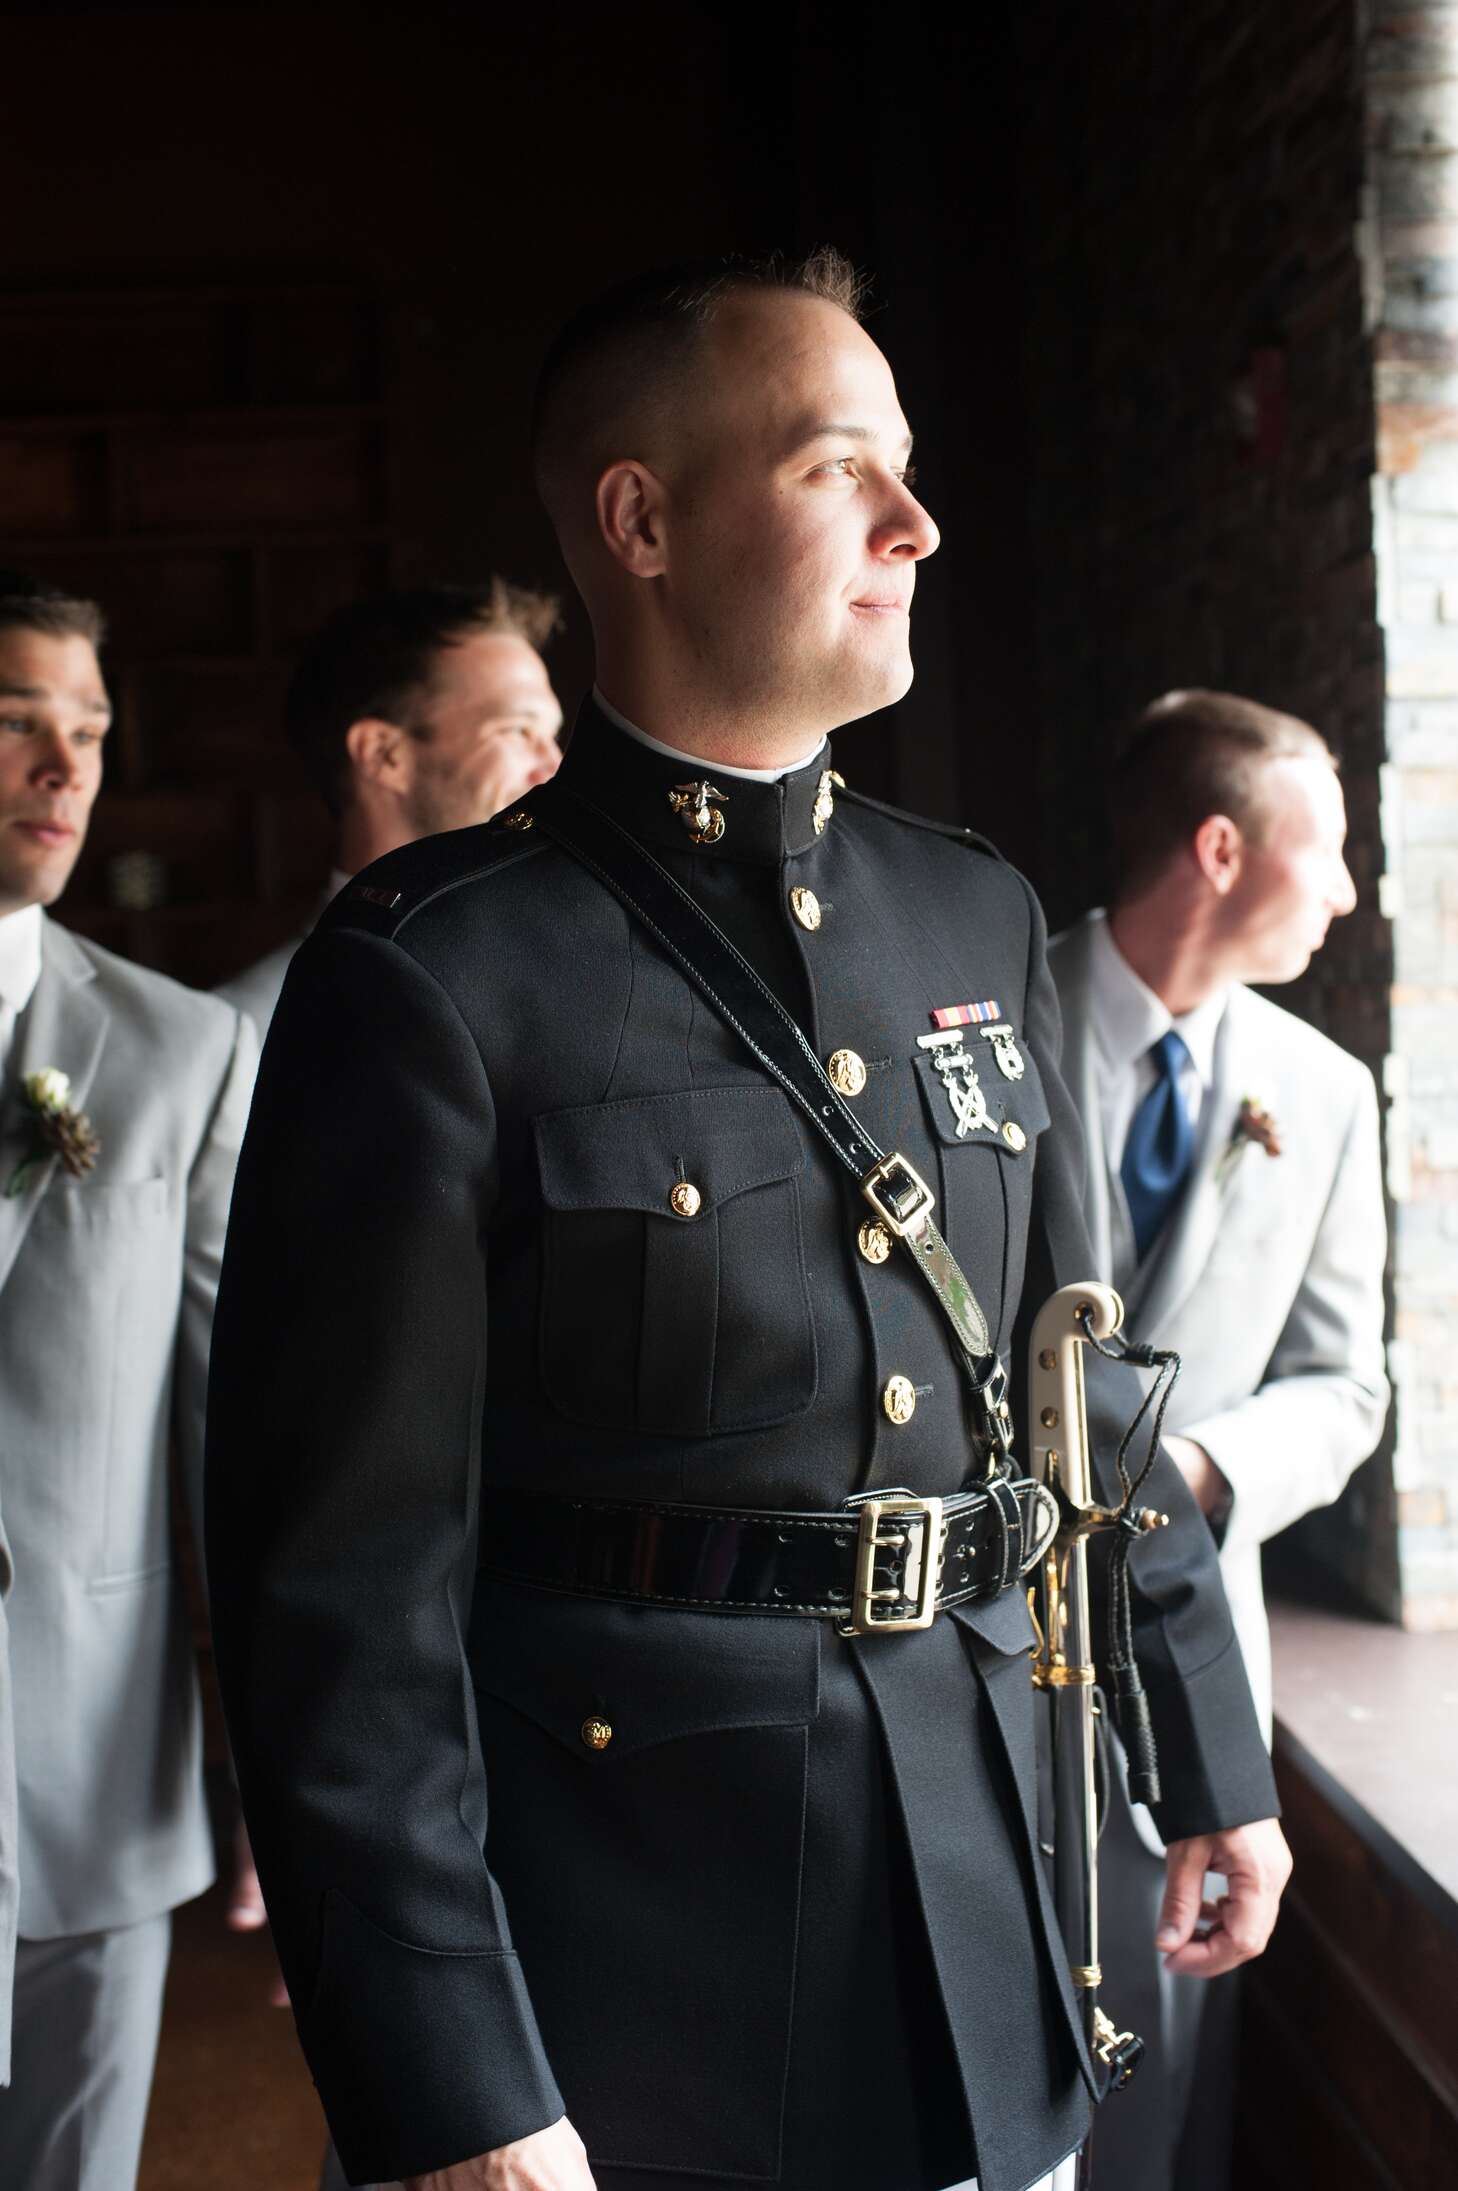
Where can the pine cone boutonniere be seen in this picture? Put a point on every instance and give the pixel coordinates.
(1254, 1124)
(56, 1128)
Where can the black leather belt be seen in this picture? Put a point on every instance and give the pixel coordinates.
(885, 1562)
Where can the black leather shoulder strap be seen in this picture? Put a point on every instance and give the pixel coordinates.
(730, 985)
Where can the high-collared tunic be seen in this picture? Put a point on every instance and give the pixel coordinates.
(786, 1923)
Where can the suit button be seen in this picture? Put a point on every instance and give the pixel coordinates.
(847, 1072)
(596, 1733)
(899, 1399)
(1013, 1135)
(806, 908)
(874, 1241)
(685, 1200)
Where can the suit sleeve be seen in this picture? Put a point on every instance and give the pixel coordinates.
(209, 1191)
(1214, 1769)
(1320, 1407)
(343, 1460)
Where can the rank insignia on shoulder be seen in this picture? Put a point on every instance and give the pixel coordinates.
(957, 1071)
(1009, 1057)
(966, 1015)
(389, 899)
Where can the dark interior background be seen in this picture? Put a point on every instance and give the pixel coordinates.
(274, 311)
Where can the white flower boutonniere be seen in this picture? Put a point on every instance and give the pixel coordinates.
(1254, 1124)
(56, 1129)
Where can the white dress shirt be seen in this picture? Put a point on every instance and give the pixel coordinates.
(1128, 1019)
(696, 760)
(20, 965)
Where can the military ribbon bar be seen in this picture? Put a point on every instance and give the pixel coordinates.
(966, 1015)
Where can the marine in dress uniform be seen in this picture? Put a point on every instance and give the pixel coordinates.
(522, 1228)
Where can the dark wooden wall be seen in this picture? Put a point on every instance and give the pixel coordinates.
(272, 321)
(1349, 2054)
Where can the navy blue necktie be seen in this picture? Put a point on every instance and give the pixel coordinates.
(1160, 1146)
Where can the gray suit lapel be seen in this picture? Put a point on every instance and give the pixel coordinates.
(1166, 1281)
(64, 1025)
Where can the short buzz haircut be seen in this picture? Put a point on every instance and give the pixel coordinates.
(31, 604)
(377, 657)
(1190, 755)
(617, 364)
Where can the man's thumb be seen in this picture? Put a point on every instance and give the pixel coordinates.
(1184, 1887)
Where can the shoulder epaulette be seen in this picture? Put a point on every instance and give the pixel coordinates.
(969, 837)
(390, 891)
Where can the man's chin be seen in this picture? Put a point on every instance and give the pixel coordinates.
(869, 692)
(38, 886)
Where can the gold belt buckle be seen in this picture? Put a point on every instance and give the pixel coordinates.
(923, 1564)
(903, 1203)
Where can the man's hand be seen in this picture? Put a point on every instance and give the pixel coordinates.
(1209, 1489)
(245, 1911)
(549, 2160)
(1256, 1863)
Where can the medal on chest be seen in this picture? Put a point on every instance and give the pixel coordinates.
(957, 1071)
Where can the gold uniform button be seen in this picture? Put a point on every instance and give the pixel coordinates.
(685, 1200)
(847, 1072)
(806, 908)
(899, 1399)
(1013, 1135)
(596, 1733)
(874, 1241)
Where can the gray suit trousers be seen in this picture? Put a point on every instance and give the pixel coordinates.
(87, 2012)
(1170, 2128)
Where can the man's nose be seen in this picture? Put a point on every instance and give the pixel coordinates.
(546, 761)
(56, 762)
(908, 532)
(1344, 896)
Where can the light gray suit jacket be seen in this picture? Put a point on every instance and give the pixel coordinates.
(107, 1285)
(257, 989)
(1269, 1278)
(9, 1820)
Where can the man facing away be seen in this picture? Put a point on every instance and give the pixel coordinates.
(124, 1102)
(1234, 1192)
(595, 1853)
(413, 712)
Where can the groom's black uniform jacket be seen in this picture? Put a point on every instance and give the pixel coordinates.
(788, 1926)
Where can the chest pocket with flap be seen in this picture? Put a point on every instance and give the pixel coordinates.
(674, 1295)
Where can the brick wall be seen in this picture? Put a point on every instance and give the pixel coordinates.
(1412, 96)
(1198, 366)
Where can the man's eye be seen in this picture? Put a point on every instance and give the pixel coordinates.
(908, 477)
(840, 464)
(14, 722)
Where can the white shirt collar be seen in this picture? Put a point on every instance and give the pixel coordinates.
(20, 957)
(695, 760)
(1129, 1018)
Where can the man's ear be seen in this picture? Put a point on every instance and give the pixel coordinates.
(632, 519)
(1219, 850)
(380, 753)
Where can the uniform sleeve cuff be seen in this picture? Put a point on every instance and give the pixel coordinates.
(421, 2058)
(1203, 1789)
